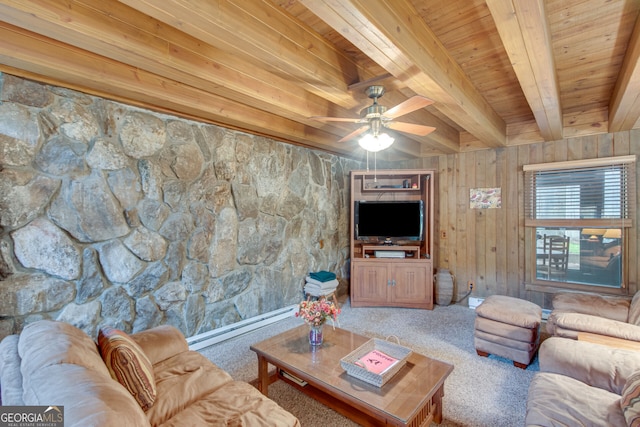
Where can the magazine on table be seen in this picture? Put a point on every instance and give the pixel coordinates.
(376, 362)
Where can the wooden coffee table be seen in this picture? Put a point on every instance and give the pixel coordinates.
(412, 397)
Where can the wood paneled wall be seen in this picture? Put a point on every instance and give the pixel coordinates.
(486, 246)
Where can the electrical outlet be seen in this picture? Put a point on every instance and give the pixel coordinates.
(470, 285)
(443, 234)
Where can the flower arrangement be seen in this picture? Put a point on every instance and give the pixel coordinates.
(317, 312)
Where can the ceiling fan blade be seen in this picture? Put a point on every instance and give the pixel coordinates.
(355, 133)
(334, 119)
(412, 104)
(410, 128)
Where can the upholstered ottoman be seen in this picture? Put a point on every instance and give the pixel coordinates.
(508, 327)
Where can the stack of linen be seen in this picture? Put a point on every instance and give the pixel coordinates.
(320, 283)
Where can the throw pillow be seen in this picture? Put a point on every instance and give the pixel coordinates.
(128, 365)
(634, 310)
(630, 400)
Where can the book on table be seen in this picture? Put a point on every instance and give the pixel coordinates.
(376, 361)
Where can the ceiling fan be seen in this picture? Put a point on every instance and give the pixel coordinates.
(376, 116)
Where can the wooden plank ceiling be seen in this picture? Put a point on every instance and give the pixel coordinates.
(499, 72)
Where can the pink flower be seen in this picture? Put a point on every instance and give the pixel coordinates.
(317, 312)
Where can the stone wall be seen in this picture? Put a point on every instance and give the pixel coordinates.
(115, 215)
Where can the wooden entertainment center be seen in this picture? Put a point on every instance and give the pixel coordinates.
(399, 274)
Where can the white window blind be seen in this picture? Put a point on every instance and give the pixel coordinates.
(597, 192)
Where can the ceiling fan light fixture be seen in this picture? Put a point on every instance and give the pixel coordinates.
(375, 143)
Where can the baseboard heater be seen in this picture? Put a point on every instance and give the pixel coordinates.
(475, 302)
(223, 333)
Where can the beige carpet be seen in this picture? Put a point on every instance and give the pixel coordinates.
(479, 392)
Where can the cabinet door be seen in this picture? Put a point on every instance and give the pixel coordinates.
(370, 282)
(410, 285)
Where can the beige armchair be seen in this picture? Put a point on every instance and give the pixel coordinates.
(575, 313)
(580, 384)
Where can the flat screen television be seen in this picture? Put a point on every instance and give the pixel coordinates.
(397, 220)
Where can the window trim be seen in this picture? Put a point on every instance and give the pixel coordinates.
(575, 164)
(532, 282)
(584, 223)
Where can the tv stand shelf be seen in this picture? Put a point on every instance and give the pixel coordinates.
(401, 276)
(403, 182)
(410, 252)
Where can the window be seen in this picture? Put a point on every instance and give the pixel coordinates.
(576, 217)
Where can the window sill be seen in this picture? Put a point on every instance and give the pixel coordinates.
(553, 287)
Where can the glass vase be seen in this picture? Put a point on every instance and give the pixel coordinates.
(315, 334)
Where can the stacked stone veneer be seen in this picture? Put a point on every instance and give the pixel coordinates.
(116, 215)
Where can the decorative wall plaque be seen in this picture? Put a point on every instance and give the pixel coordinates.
(485, 198)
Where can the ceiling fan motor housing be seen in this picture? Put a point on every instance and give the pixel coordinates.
(373, 111)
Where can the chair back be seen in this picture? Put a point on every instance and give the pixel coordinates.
(559, 253)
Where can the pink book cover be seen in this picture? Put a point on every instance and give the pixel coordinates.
(376, 361)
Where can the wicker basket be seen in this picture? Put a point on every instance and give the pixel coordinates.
(394, 350)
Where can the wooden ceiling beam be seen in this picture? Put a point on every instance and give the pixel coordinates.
(126, 35)
(69, 66)
(290, 60)
(287, 48)
(525, 33)
(624, 106)
(118, 32)
(264, 33)
(392, 36)
(146, 44)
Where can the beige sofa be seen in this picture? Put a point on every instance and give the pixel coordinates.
(55, 363)
(606, 262)
(581, 383)
(611, 316)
